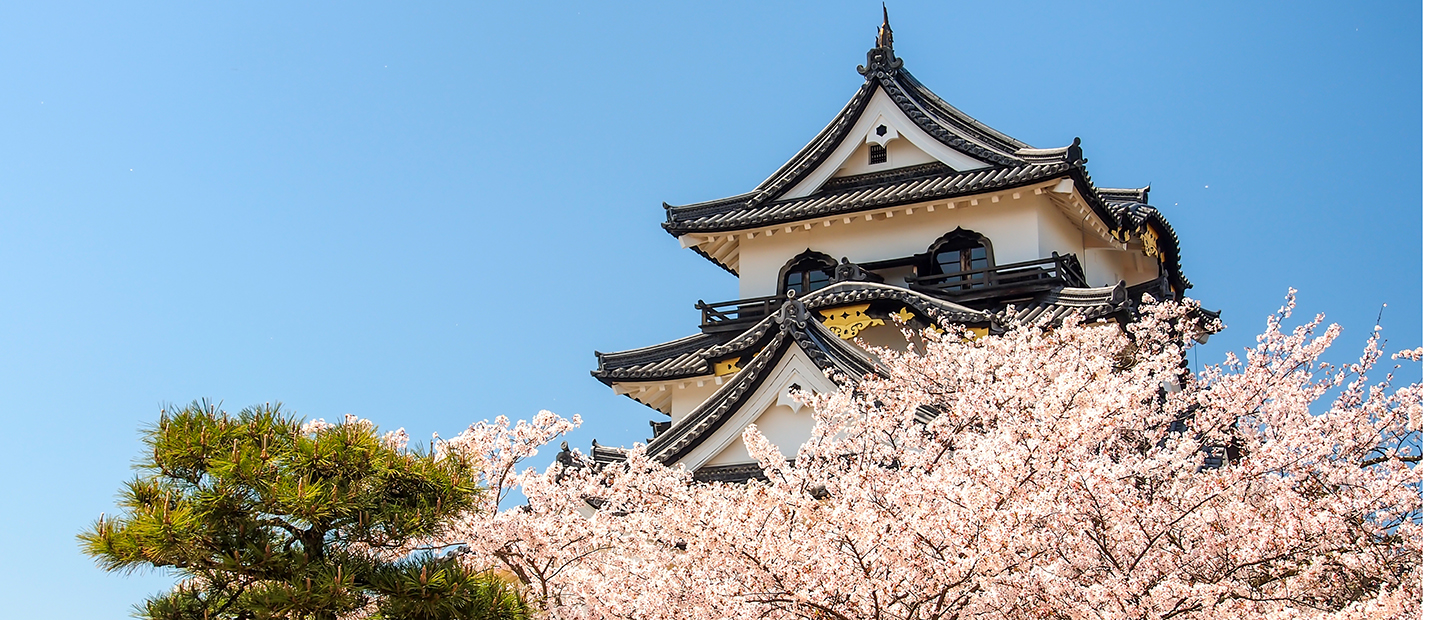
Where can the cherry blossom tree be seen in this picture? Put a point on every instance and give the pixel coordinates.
(1070, 471)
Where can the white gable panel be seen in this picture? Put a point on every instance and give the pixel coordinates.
(881, 110)
(900, 153)
(783, 421)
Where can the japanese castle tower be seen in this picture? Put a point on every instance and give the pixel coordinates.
(903, 207)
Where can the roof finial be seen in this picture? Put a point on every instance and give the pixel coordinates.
(882, 57)
(886, 36)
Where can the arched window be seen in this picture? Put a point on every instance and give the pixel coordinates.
(810, 271)
(961, 252)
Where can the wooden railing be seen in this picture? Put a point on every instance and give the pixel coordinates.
(973, 284)
(736, 314)
(1000, 279)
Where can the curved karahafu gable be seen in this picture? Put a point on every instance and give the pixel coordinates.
(792, 324)
(801, 322)
(696, 355)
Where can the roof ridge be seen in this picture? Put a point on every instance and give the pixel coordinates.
(933, 168)
(641, 352)
(1137, 194)
(939, 107)
(980, 180)
(793, 323)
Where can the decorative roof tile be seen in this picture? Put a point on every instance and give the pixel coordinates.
(794, 323)
(691, 356)
(1135, 216)
(723, 216)
(671, 360)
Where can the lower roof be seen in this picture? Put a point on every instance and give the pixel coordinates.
(795, 323)
(693, 356)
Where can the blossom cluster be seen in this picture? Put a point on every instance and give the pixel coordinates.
(1078, 471)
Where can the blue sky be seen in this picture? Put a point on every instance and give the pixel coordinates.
(431, 215)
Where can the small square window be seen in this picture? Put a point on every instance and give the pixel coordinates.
(877, 154)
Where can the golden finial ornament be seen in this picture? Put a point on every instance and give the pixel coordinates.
(885, 37)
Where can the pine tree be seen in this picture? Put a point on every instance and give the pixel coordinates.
(262, 516)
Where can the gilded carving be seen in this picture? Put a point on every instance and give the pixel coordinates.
(847, 321)
(727, 367)
(967, 334)
(1151, 241)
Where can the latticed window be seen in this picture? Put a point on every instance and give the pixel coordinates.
(878, 154)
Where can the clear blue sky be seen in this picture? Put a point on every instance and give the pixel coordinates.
(431, 215)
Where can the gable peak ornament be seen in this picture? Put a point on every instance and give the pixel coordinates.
(885, 37)
(882, 57)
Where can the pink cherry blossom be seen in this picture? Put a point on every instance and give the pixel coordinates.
(1079, 471)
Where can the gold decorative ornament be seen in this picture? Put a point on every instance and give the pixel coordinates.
(967, 334)
(1151, 240)
(727, 367)
(904, 315)
(847, 321)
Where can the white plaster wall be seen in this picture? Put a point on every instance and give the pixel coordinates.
(898, 154)
(684, 401)
(1105, 267)
(1011, 225)
(786, 422)
(1145, 269)
(784, 427)
(881, 110)
(1058, 234)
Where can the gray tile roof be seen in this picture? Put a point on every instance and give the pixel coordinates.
(739, 214)
(1134, 216)
(691, 356)
(1117, 194)
(921, 106)
(670, 360)
(1057, 305)
(933, 115)
(794, 323)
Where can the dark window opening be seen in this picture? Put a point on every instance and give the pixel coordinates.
(961, 253)
(808, 272)
(877, 154)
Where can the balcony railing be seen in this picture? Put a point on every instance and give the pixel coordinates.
(738, 314)
(988, 283)
(1001, 280)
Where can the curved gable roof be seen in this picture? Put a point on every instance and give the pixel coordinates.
(921, 106)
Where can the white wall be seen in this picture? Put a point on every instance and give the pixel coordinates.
(898, 154)
(1105, 266)
(685, 400)
(1011, 225)
(880, 110)
(787, 428)
(1058, 234)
